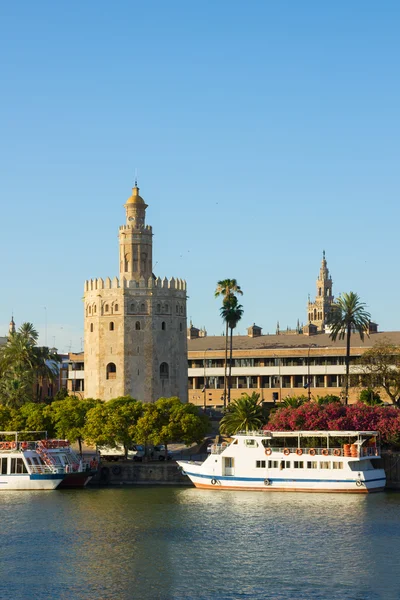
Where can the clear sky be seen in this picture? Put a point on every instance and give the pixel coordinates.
(262, 132)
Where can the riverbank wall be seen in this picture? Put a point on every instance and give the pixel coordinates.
(133, 473)
(167, 473)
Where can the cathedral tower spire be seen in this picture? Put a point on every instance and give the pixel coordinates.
(135, 240)
(319, 309)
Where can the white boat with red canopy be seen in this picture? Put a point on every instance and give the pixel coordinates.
(27, 463)
(295, 461)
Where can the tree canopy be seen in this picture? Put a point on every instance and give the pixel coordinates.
(243, 414)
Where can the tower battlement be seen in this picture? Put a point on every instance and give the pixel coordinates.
(147, 228)
(150, 283)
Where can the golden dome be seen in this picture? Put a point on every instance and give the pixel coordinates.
(135, 198)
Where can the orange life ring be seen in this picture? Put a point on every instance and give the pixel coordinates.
(325, 452)
(24, 445)
(286, 451)
(299, 451)
(6, 445)
(268, 451)
(336, 452)
(13, 445)
(311, 451)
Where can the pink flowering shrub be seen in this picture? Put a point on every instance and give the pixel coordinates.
(336, 417)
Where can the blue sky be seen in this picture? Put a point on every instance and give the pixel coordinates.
(262, 133)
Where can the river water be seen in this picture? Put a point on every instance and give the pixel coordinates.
(182, 543)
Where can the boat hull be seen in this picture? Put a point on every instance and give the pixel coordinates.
(202, 480)
(76, 480)
(30, 482)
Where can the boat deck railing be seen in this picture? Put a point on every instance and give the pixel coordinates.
(356, 452)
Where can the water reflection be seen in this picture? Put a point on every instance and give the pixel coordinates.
(180, 543)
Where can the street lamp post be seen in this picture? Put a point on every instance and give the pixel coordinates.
(205, 382)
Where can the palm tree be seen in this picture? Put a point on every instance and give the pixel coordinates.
(244, 414)
(226, 288)
(348, 314)
(231, 313)
(22, 362)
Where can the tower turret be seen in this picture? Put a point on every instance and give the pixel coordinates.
(135, 240)
(11, 328)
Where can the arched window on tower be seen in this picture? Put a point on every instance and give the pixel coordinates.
(164, 371)
(319, 292)
(94, 309)
(116, 307)
(315, 314)
(177, 309)
(111, 371)
(180, 327)
(106, 308)
(91, 327)
(111, 326)
(181, 310)
(143, 307)
(137, 326)
(166, 307)
(163, 326)
(90, 310)
(158, 308)
(132, 307)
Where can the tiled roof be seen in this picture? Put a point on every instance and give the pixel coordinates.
(282, 341)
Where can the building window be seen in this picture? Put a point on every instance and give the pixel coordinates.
(106, 308)
(181, 310)
(163, 326)
(164, 371)
(166, 307)
(142, 307)
(158, 308)
(137, 326)
(116, 307)
(90, 310)
(177, 309)
(132, 309)
(180, 327)
(111, 371)
(91, 327)
(111, 326)
(94, 309)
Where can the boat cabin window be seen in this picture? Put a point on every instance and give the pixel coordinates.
(3, 463)
(361, 465)
(325, 464)
(298, 464)
(18, 466)
(260, 464)
(312, 464)
(285, 464)
(337, 465)
(28, 460)
(273, 464)
(251, 443)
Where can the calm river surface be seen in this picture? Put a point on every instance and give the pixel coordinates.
(183, 543)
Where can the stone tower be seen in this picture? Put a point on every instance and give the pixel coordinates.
(135, 325)
(319, 309)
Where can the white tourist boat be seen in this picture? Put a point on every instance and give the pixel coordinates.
(41, 464)
(292, 461)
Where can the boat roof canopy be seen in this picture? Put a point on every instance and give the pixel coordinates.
(267, 433)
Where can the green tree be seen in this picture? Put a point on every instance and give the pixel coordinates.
(69, 417)
(231, 313)
(33, 417)
(243, 414)
(294, 401)
(113, 423)
(168, 420)
(370, 397)
(380, 368)
(226, 288)
(348, 314)
(327, 399)
(22, 364)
